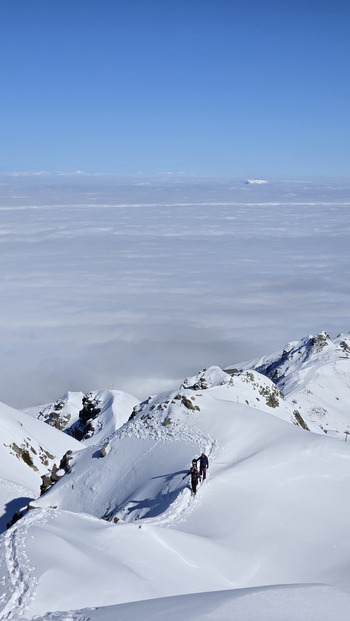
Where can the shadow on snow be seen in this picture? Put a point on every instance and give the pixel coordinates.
(11, 508)
(152, 507)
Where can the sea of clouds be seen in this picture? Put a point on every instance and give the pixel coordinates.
(132, 283)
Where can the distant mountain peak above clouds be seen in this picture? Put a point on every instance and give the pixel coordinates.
(255, 181)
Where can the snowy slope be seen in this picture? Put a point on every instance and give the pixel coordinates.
(165, 429)
(314, 376)
(28, 449)
(276, 603)
(273, 511)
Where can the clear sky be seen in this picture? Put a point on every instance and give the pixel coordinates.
(209, 87)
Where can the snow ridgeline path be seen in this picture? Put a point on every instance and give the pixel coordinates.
(183, 503)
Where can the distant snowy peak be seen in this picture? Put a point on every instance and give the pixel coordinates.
(286, 368)
(314, 376)
(255, 181)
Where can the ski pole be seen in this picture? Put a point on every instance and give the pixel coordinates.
(178, 485)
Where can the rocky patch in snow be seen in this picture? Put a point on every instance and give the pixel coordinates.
(62, 413)
(87, 417)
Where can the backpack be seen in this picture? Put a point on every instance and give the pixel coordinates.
(194, 474)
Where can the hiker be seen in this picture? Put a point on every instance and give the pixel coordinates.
(194, 476)
(203, 465)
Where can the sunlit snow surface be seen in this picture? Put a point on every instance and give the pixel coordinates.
(266, 537)
(132, 283)
(279, 603)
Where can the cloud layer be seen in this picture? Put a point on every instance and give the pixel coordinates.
(134, 283)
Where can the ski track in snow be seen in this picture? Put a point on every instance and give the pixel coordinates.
(21, 583)
(142, 456)
(183, 503)
(178, 511)
(179, 433)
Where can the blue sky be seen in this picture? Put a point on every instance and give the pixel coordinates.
(256, 88)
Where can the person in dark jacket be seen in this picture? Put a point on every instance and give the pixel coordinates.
(203, 465)
(193, 471)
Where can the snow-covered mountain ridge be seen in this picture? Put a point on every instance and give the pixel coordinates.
(117, 525)
(314, 376)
